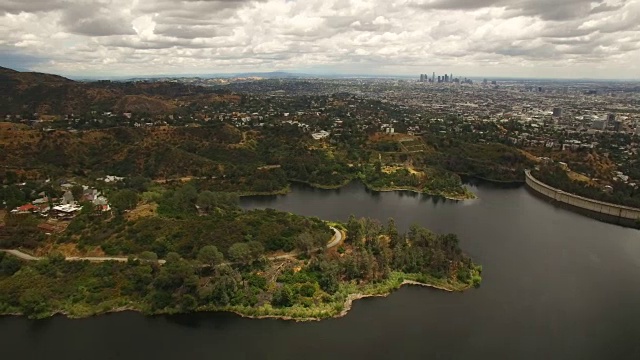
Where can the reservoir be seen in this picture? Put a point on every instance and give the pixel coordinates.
(556, 285)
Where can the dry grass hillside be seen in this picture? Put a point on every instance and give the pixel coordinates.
(143, 104)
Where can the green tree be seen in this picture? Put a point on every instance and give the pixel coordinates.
(33, 303)
(392, 232)
(207, 201)
(148, 256)
(87, 208)
(9, 265)
(240, 252)
(256, 249)
(77, 191)
(210, 255)
(124, 200)
(283, 297)
(305, 242)
(354, 230)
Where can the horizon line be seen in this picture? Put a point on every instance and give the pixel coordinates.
(299, 73)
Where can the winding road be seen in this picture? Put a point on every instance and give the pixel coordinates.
(335, 240)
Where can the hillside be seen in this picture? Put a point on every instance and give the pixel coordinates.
(26, 93)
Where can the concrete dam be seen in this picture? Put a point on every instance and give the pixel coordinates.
(617, 214)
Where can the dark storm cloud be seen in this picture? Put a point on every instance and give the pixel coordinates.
(95, 19)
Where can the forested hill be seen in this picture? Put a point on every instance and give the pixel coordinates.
(26, 93)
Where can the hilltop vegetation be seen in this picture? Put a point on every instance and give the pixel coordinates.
(221, 157)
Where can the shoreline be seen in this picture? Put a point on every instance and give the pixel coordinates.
(415, 190)
(346, 307)
(323, 187)
(495, 181)
(283, 191)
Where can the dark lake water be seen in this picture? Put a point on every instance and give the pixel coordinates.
(556, 285)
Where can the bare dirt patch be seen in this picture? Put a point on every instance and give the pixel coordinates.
(143, 210)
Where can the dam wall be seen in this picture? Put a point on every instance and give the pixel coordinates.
(619, 214)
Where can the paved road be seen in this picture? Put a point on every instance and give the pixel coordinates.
(335, 240)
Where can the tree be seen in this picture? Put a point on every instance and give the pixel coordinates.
(124, 200)
(209, 200)
(185, 197)
(148, 256)
(33, 303)
(256, 249)
(77, 191)
(304, 242)
(87, 208)
(392, 232)
(206, 201)
(210, 255)
(283, 297)
(240, 252)
(354, 230)
(10, 177)
(9, 265)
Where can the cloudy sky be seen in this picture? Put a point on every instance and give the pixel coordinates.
(527, 38)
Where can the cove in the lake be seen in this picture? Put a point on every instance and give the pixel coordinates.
(556, 285)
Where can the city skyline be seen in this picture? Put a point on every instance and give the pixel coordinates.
(577, 39)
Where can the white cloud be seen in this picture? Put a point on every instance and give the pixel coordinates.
(472, 37)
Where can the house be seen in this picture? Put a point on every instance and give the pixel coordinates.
(42, 200)
(66, 211)
(47, 228)
(25, 209)
(90, 194)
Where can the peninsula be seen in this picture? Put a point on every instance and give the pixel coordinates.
(259, 263)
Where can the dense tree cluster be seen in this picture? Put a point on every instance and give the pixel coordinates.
(487, 161)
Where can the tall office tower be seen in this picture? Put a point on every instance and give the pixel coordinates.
(446, 78)
(451, 77)
(421, 77)
(439, 79)
(433, 77)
